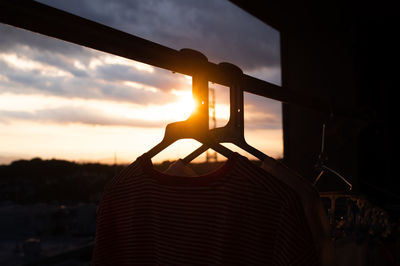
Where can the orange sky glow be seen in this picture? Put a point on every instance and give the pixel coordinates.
(64, 101)
(127, 129)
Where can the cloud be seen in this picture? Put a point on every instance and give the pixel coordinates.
(96, 116)
(161, 79)
(83, 88)
(50, 88)
(61, 110)
(219, 29)
(81, 115)
(13, 38)
(262, 113)
(262, 121)
(230, 35)
(101, 77)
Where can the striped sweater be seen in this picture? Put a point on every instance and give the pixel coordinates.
(236, 215)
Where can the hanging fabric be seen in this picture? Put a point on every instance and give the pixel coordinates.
(236, 215)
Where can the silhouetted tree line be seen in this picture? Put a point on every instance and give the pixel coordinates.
(37, 180)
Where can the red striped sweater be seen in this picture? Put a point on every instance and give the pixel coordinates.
(237, 215)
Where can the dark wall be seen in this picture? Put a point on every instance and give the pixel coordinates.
(377, 62)
(345, 53)
(317, 60)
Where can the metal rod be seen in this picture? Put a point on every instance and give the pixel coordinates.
(37, 17)
(322, 141)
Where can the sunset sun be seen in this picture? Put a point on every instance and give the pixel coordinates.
(185, 104)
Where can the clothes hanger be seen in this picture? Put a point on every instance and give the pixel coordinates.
(322, 168)
(196, 126)
(233, 131)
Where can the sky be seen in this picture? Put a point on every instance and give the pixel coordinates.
(64, 101)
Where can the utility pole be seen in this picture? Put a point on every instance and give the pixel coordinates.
(212, 155)
(115, 162)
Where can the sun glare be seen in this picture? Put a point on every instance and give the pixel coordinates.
(185, 105)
